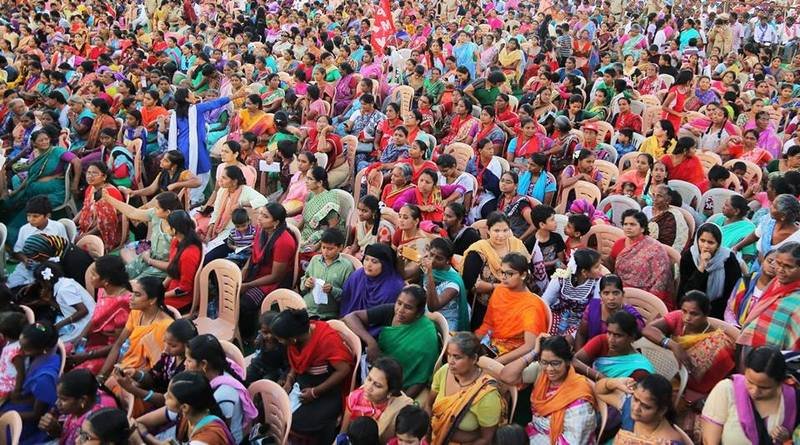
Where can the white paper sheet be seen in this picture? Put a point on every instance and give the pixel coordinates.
(294, 397)
(320, 297)
(273, 167)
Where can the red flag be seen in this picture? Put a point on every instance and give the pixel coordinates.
(382, 26)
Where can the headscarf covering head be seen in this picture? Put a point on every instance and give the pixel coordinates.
(42, 246)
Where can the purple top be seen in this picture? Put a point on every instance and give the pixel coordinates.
(592, 315)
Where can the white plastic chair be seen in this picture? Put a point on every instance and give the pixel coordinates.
(617, 204)
(689, 192)
(718, 196)
(69, 200)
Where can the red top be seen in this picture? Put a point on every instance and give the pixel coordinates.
(187, 267)
(690, 170)
(283, 252)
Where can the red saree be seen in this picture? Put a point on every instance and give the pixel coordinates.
(645, 265)
(102, 215)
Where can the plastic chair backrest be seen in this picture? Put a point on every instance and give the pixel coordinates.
(605, 236)
(63, 353)
(717, 196)
(284, 298)
(29, 315)
(462, 152)
(91, 273)
(346, 204)
(296, 266)
(561, 223)
(355, 261)
(754, 173)
(617, 204)
(662, 359)
(11, 425)
(229, 282)
(603, 128)
(627, 158)
(69, 200)
(93, 245)
(504, 165)
(689, 220)
(582, 189)
(650, 306)
(277, 408)
(609, 170)
(689, 192)
(731, 330)
(443, 329)
(234, 354)
(353, 343)
(651, 115)
(709, 159)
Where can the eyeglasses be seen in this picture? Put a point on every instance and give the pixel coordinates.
(552, 364)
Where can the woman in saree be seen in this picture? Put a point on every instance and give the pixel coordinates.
(683, 164)
(252, 118)
(320, 364)
(416, 159)
(386, 128)
(749, 290)
(345, 90)
(595, 318)
(464, 402)
(773, 319)
(778, 228)
(706, 351)
(514, 315)
(273, 97)
(750, 151)
(81, 124)
(626, 118)
(37, 395)
(510, 59)
(97, 217)
(612, 354)
(767, 134)
(431, 196)
(400, 190)
(233, 193)
(406, 335)
(45, 176)
(380, 398)
(462, 125)
(144, 331)
(322, 138)
(666, 222)
(650, 83)
(378, 282)
(738, 412)
(109, 316)
(571, 289)
(321, 210)
(516, 207)
(482, 269)
(231, 156)
(640, 260)
(102, 119)
(582, 51)
(633, 43)
(646, 409)
(562, 401)
(152, 112)
(489, 130)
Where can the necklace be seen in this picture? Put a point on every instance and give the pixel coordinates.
(708, 325)
(652, 432)
(469, 381)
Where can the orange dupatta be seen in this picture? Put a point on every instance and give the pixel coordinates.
(555, 405)
(509, 315)
(146, 342)
(151, 114)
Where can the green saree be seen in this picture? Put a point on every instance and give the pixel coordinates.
(415, 346)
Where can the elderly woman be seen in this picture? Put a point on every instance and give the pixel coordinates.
(401, 189)
(755, 407)
(45, 176)
(406, 335)
(640, 260)
(633, 43)
(97, 217)
(781, 227)
(320, 364)
(562, 402)
(464, 401)
(666, 221)
(710, 268)
(514, 315)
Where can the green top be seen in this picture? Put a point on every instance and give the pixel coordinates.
(335, 274)
(486, 96)
(434, 89)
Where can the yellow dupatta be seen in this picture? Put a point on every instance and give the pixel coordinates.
(506, 58)
(492, 258)
(449, 410)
